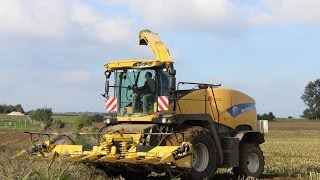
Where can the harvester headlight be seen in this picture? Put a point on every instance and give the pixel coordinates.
(163, 120)
(107, 121)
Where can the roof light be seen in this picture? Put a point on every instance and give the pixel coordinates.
(142, 64)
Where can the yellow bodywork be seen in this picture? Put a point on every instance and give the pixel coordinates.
(121, 148)
(202, 102)
(159, 49)
(146, 118)
(131, 63)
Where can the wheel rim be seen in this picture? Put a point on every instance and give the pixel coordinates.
(253, 162)
(200, 157)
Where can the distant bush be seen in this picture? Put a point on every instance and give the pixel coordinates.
(86, 120)
(97, 118)
(83, 120)
(62, 124)
(43, 115)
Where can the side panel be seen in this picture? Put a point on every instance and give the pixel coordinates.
(250, 137)
(232, 108)
(230, 148)
(245, 106)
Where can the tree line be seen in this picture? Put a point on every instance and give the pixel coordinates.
(310, 97)
(6, 109)
(265, 116)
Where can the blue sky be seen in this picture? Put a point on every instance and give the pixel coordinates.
(52, 52)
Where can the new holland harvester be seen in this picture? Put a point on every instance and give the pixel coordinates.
(154, 124)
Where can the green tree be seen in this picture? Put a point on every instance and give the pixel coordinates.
(19, 108)
(9, 108)
(311, 98)
(271, 117)
(43, 115)
(265, 116)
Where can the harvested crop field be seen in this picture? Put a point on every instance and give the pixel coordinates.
(291, 151)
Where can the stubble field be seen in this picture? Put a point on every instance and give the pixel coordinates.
(291, 150)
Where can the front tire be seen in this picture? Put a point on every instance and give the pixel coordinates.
(204, 151)
(204, 161)
(251, 161)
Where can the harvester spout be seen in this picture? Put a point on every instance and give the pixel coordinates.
(159, 49)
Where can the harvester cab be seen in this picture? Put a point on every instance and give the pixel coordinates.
(153, 126)
(142, 88)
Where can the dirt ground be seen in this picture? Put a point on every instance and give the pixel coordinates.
(13, 140)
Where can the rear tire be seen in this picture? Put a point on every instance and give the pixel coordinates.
(251, 161)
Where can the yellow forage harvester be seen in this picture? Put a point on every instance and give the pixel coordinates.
(154, 124)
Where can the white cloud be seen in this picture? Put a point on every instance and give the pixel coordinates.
(287, 11)
(224, 16)
(113, 30)
(204, 15)
(84, 14)
(115, 2)
(75, 76)
(59, 19)
(261, 19)
(34, 17)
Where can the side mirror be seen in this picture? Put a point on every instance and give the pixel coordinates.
(106, 88)
(172, 83)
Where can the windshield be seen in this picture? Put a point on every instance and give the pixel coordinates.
(137, 90)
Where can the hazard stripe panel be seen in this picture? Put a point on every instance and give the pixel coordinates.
(111, 104)
(163, 103)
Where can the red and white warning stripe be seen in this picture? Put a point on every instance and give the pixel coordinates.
(111, 104)
(163, 103)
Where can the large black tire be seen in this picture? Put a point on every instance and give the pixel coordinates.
(204, 151)
(251, 161)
